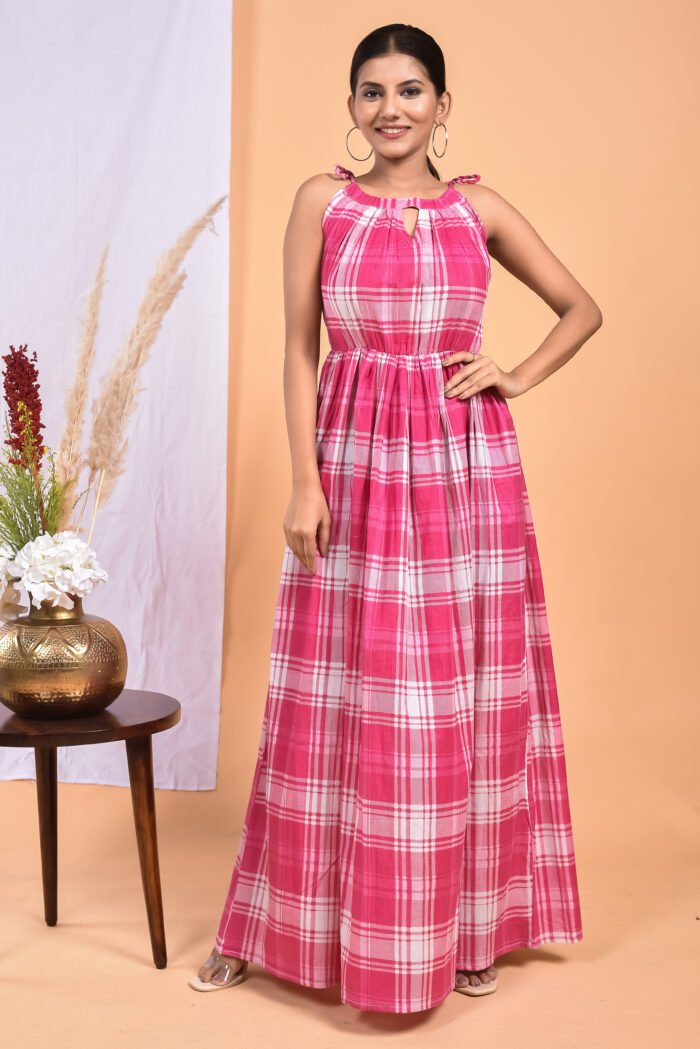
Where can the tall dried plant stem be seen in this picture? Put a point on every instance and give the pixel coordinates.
(97, 503)
(67, 457)
(82, 509)
(117, 398)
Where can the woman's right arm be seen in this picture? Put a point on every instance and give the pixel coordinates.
(307, 517)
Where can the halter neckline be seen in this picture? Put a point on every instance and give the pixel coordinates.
(448, 196)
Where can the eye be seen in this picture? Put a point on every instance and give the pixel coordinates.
(372, 92)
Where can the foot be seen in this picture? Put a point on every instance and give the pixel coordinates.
(219, 969)
(475, 977)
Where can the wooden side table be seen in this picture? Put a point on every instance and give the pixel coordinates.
(134, 717)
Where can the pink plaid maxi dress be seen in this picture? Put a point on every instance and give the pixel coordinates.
(409, 812)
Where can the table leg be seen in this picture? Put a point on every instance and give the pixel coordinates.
(140, 758)
(45, 761)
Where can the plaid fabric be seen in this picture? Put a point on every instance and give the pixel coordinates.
(409, 813)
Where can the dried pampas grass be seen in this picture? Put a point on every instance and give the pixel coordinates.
(107, 445)
(68, 461)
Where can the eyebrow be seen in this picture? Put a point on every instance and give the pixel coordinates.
(373, 83)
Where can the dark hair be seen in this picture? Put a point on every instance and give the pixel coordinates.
(404, 40)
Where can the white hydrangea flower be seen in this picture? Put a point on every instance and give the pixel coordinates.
(54, 567)
(6, 555)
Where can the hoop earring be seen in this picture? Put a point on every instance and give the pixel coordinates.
(356, 128)
(439, 124)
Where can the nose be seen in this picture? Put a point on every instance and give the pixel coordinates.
(390, 109)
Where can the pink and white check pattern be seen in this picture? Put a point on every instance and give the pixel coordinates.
(409, 813)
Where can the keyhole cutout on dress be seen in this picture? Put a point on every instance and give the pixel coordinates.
(410, 219)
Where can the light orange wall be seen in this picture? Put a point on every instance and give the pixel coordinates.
(580, 115)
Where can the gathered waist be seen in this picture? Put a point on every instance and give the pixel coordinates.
(405, 359)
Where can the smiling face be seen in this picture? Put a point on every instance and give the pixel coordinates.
(395, 105)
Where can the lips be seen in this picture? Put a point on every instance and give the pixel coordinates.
(393, 130)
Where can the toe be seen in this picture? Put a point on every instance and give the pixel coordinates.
(481, 975)
(206, 970)
(227, 968)
(475, 977)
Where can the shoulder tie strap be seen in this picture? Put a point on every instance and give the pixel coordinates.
(464, 178)
(346, 173)
(343, 172)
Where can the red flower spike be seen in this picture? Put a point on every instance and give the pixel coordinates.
(21, 387)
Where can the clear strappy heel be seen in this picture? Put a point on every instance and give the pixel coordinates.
(229, 979)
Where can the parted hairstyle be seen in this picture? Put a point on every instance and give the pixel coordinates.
(405, 40)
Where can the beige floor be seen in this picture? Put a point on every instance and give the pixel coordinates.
(89, 981)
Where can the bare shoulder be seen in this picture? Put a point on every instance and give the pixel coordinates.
(484, 201)
(314, 193)
(500, 218)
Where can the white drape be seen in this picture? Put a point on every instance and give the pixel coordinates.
(115, 127)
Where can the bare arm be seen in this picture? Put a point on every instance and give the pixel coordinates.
(307, 515)
(514, 243)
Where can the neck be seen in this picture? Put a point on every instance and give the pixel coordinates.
(405, 177)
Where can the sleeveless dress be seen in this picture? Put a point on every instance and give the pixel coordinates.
(409, 813)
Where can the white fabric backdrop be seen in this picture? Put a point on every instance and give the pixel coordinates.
(115, 126)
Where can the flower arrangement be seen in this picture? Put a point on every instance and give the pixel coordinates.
(49, 564)
(50, 567)
(41, 548)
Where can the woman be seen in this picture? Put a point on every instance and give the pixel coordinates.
(409, 819)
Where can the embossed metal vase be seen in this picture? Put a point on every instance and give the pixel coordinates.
(60, 662)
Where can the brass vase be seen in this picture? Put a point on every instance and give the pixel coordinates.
(60, 662)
